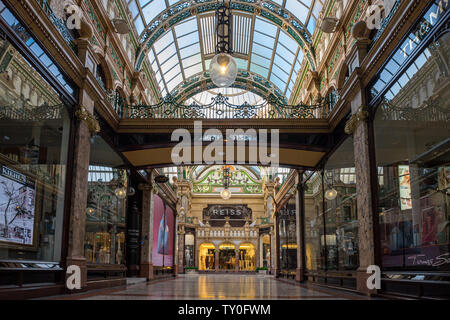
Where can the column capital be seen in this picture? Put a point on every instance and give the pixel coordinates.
(89, 120)
(360, 116)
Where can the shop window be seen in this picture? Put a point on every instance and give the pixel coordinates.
(412, 152)
(106, 207)
(34, 139)
(314, 223)
(288, 236)
(341, 223)
(189, 249)
(331, 231)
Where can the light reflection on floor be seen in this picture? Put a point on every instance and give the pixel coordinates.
(218, 286)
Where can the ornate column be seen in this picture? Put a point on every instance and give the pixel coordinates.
(86, 125)
(146, 269)
(367, 218)
(180, 245)
(236, 267)
(183, 190)
(300, 229)
(216, 259)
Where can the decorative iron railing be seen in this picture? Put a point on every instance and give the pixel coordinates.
(429, 111)
(221, 108)
(68, 34)
(31, 113)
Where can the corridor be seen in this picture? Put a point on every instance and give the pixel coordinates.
(217, 287)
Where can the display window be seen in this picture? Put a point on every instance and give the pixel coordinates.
(227, 257)
(34, 142)
(412, 153)
(288, 236)
(247, 257)
(341, 220)
(331, 219)
(106, 207)
(189, 255)
(207, 256)
(265, 251)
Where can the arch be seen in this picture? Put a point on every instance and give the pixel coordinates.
(342, 76)
(183, 10)
(227, 256)
(108, 73)
(246, 80)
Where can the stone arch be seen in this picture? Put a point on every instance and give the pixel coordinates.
(344, 73)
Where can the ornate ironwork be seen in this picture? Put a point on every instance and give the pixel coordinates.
(220, 108)
(224, 20)
(31, 113)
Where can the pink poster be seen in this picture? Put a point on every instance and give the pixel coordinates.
(163, 228)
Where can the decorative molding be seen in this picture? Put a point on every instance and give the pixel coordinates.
(89, 120)
(360, 116)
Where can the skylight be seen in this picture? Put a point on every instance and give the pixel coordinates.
(260, 46)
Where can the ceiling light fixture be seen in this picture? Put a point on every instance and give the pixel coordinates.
(226, 193)
(223, 67)
(330, 194)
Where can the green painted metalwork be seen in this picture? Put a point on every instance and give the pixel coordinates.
(188, 8)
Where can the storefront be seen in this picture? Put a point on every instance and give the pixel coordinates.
(207, 257)
(108, 185)
(331, 222)
(288, 238)
(36, 103)
(410, 103)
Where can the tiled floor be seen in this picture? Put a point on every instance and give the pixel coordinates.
(220, 286)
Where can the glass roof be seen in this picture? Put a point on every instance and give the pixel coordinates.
(259, 45)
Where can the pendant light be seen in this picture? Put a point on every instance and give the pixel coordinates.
(223, 68)
(226, 193)
(330, 194)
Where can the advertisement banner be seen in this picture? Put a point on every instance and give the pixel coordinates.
(163, 231)
(17, 216)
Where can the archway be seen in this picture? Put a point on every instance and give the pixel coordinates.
(247, 257)
(207, 257)
(227, 256)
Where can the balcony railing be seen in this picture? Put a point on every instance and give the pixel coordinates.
(68, 34)
(221, 108)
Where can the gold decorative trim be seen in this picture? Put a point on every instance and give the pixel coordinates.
(89, 120)
(360, 116)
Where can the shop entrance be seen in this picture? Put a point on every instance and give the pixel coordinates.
(247, 261)
(207, 256)
(227, 256)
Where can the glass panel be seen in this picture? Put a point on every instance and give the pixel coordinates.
(34, 139)
(105, 212)
(341, 219)
(412, 153)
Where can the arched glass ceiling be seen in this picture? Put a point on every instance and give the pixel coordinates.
(259, 45)
(235, 96)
